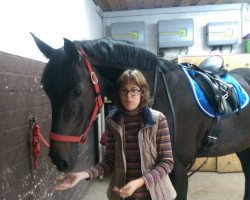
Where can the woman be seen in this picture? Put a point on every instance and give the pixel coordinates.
(138, 147)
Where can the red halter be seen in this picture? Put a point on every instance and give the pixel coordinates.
(98, 105)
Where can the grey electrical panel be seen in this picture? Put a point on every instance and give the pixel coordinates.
(222, 33)
(129, 31)
(175, 33)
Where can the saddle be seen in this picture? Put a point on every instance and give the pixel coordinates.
(220, 95)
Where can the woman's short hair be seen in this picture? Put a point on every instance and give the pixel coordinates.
(137, 78)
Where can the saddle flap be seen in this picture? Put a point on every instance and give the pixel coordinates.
(209, 88)
(215, 92)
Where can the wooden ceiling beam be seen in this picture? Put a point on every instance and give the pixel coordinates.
(158, 3)
(140, 4)
(115, 5)
(99, 3)
(131, 4)
(241, 1)
(224, 1)
(185, 3)
(167, 3)
(123, 5)
(206, 2)
(148, 4)
(103, 4)
(176, 3)
(194, 2)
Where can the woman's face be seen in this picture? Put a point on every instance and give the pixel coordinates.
(130, 95)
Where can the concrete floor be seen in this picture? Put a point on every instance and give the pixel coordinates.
(202, 186)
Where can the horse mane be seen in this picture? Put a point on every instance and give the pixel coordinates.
(106, 51)
(116, 52)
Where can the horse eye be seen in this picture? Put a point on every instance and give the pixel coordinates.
(77, 92)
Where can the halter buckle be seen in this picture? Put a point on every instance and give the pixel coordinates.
(83, 139)
(94, 78)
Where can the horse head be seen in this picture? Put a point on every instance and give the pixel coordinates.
(67, 82)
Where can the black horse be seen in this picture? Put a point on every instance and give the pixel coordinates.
(67, 82)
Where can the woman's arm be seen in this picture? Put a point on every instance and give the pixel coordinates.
(129, 188)
(107, 165)
(69, 181)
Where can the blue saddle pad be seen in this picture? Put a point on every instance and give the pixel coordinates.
(201, 100)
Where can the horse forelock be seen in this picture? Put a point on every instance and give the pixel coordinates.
(59, 75)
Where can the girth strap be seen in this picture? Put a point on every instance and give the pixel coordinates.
(210, 138)
(171, 106)
(208, 141)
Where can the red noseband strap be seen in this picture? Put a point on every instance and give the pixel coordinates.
(64, 138)
(97, 108)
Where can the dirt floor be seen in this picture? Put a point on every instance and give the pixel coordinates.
(202, 186)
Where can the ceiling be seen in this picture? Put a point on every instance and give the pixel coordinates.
(119, 5)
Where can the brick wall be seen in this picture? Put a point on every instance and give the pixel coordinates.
(20, 98)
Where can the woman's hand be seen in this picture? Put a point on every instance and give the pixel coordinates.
(69, 181)
(129, 188)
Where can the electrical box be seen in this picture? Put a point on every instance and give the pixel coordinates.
(222, 33)
(130, 31)
(175, 33)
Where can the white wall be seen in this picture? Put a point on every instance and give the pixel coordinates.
(50, 20)
(201, 16)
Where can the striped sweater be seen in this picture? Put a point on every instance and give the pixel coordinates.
(164, 165)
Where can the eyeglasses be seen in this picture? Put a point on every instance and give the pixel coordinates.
(132, 92)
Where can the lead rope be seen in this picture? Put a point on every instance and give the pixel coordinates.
(36, 137)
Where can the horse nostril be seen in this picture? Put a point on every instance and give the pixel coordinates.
(61, 164)
(65, 165)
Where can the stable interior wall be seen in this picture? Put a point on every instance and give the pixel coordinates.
(23, 98)
(50, 20)
(201, 15)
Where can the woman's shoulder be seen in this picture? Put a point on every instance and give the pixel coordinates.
(156, 112)
(115, 115)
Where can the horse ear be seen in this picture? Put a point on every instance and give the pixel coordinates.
(44, 48)
(70, 49)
